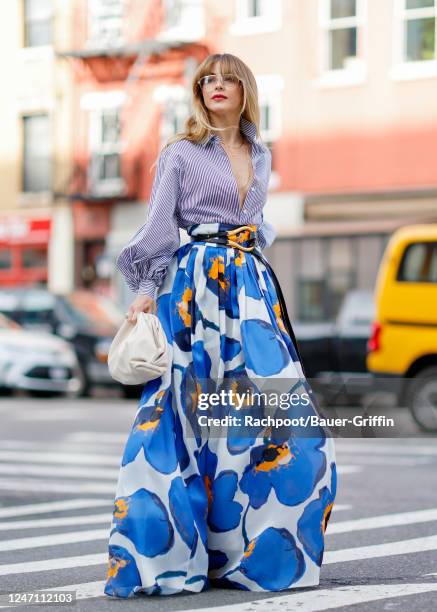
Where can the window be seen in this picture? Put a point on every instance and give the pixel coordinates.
(105, 22)
(321, 299)
(270, 87)
(34, 258)
(419, 31)
(257, 16)
(5, 259)
(173, 120)
(266, 116)
(342, 24)
(172, 13)
(342, 33)
(415, 34)
(37, 159)
(419, 263)
(311, 297)
(38, 23)
(327, 271)
(266, 125)
(105, 150)
(338, 283)
(342, 43)
(255, 8)
(183, 19)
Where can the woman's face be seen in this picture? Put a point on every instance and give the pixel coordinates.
(222, 97)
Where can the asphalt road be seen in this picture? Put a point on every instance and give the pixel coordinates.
(58, 469)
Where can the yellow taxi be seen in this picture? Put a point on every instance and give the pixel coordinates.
(402, 348)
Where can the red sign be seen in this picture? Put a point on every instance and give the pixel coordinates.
(16, 229)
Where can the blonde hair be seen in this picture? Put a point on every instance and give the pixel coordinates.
(197, 125)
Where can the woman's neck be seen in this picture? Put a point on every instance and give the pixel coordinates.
(230, 137)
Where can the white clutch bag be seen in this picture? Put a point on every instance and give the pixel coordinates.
(139, 351)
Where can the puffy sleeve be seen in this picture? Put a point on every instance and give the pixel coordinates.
(266, 234)
(144, 260)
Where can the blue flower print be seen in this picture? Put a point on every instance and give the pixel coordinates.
(122, 572)
(143, 518)
(286, 563)
(153, 432)
(224, 513)
(317, 512)
(291, 470)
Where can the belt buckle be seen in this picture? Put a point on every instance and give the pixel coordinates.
(241, 231)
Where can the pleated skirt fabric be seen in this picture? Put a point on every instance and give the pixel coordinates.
(245, 509)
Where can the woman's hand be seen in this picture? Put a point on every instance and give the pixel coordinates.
(142, 303)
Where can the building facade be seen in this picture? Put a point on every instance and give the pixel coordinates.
(346, 90)
(131, 62)
(36, 145)
(350, 112)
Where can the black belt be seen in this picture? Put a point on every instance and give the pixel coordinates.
(226, 238)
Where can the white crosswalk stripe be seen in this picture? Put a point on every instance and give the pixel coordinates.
(89, 459)
(56, 487)
(51, 471)
(385, 520)
(51, 414)
(62, 446)
(29, 567)
(354, 458)
(387, 549)
(53, 506)
(99, 437)
(327, 599)
(70, 537)
(64, 521)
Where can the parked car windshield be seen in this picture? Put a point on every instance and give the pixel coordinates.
(358, 308)
(30, 307)
(36, 308)
(7, 323)
(87, 308)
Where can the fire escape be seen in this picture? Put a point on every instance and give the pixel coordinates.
(108, 58)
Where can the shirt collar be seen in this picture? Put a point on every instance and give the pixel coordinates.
(247, 127)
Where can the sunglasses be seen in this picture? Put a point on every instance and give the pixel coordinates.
(210, 80)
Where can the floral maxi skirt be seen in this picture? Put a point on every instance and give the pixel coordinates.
(235, 507)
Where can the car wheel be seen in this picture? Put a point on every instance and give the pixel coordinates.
(421, 398)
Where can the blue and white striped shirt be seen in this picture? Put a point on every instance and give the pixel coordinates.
(194, 183)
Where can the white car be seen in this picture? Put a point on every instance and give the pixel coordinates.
(36, 361)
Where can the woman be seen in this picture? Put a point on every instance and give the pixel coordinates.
(240, 507)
